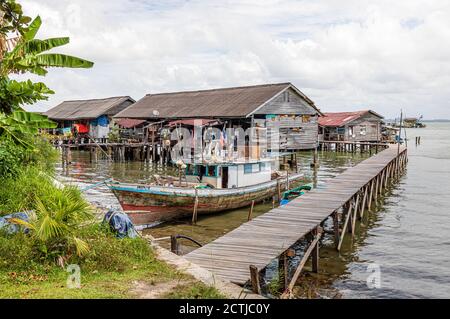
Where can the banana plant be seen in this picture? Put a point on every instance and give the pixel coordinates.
(31, 55)
(28, 55)
(18, 123)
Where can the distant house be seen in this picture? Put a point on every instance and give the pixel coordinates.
(269, 106)
(360, 126)
(89, 118)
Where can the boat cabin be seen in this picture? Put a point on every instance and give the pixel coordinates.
(230, 175)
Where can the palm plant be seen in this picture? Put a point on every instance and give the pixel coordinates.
(57, 219)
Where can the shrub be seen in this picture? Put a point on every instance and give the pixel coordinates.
(11, 159)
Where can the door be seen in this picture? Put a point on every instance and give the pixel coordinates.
(224, 177)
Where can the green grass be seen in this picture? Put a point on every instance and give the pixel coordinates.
(51, 282)
(194, 291)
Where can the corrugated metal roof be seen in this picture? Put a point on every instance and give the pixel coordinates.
(342, 118)
(86, 109)
(226, 102)
(129, 123)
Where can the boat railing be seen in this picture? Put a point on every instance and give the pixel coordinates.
(174, 244)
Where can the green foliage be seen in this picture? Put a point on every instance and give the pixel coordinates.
(14, 94)
(28, 55)
(114, 134)
(18, 252)
(10, 159)
(107, 253)
(19, 125)
(55, 222)
(15, 158)
(194, 291)
(13, 17)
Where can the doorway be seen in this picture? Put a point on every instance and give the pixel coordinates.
(224, 177)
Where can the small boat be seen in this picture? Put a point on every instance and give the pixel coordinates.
(210, 188)
(294, 193)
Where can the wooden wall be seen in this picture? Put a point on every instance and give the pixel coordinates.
(370, 123)
(295, 118)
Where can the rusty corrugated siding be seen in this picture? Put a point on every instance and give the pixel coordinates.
(228, 102)
(88, 109)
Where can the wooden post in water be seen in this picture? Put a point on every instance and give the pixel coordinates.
(283, 270)
(194, 213)
(315, 252)
(400, 132)
(336, 228)
(254, 279)
(174, 244)
(250, 212)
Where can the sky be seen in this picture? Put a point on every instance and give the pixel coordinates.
(345, 55)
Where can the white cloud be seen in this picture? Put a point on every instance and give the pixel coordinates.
(345, 55)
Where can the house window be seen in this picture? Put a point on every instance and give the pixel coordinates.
(362, 130)
(350, 130)
(306, 118)
(248, 168)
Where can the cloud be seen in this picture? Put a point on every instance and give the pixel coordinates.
(344, 55)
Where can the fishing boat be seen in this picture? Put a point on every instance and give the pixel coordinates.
(207, 188)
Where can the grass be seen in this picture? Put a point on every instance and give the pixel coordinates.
(51, 282)
(194, 291)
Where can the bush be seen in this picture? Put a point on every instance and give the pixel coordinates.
(17, 252)
(11, 158)
(111, 254)
(19, 193)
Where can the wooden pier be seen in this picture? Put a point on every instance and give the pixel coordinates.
(119, 152)
(242, 255)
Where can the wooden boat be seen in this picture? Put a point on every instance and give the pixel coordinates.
(146, 204)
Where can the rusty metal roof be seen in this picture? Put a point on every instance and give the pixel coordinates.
(342, 118)
(225, 102)
(129, 123)
(87, 109)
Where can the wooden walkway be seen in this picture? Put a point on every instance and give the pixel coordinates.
(256, 243)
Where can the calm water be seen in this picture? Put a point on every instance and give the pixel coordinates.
(407, 238)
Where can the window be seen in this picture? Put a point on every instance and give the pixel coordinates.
(362, 130)
(264, 167)
(212, 170)
(247, 168)
(306, 118)
(350, 130)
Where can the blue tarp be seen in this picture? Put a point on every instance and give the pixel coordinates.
(120, 223)
(101, 121)
(11, 228)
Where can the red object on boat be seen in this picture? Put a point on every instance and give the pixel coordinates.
(81, 128)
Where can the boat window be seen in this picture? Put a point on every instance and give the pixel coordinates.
(306, 118)
(247, 168)
(212, 170)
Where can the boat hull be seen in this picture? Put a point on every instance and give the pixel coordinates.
(146, 205)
